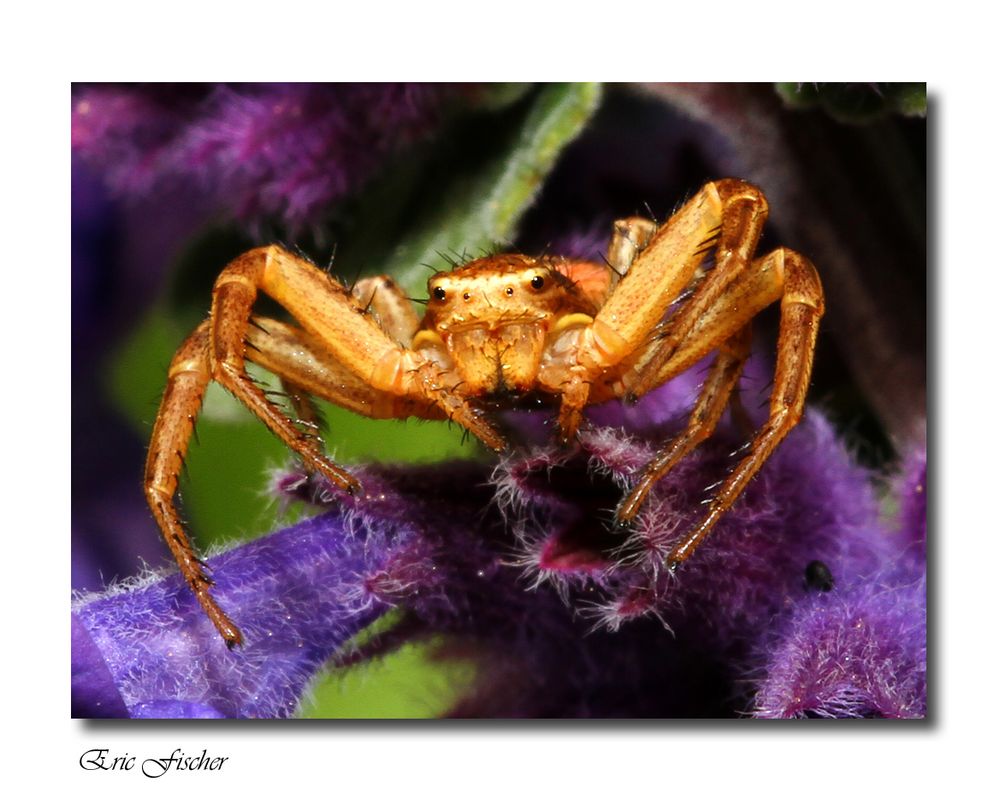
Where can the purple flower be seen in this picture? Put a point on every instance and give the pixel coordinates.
(298, 595)
(151, 641)
(861, 651)
(284, 151)
(911, 495)
(519, 569)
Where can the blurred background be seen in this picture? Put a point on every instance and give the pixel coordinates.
(170, 182)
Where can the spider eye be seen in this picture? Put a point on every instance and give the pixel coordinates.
(538, 282)
(509, 291)
(439, 293)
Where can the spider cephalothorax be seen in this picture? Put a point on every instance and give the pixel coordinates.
(494, 318)
(496, 331)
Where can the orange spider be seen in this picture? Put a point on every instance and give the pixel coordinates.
(499, 330)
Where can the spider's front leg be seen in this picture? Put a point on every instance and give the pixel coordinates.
(349, 333)
(659, 265)
(631, 346)
(783, 276)
(194, 366)
(232, 304)
(343, 352)
(306, 369)
(187, 380)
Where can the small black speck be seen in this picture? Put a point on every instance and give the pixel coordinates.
(818, 576)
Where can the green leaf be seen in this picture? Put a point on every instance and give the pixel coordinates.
(467, 194)
(482, 209)
(858, 102)
(412, 681)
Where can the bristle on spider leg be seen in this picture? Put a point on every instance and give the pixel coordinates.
(612, 268)
(741, 449)
(354, 282)
(193, 419)
(185, 471)
(300, 252)
(307, 425)
(257, 325)
(713, 486)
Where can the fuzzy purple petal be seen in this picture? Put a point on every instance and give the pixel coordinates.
(860, 651)
(298, 595)
(301, 593)
(810, 502)
(569, 617)
(443, 545)
(911, 493)
(857, 654)
(172, 708)
(536, 653)
(94, 693)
